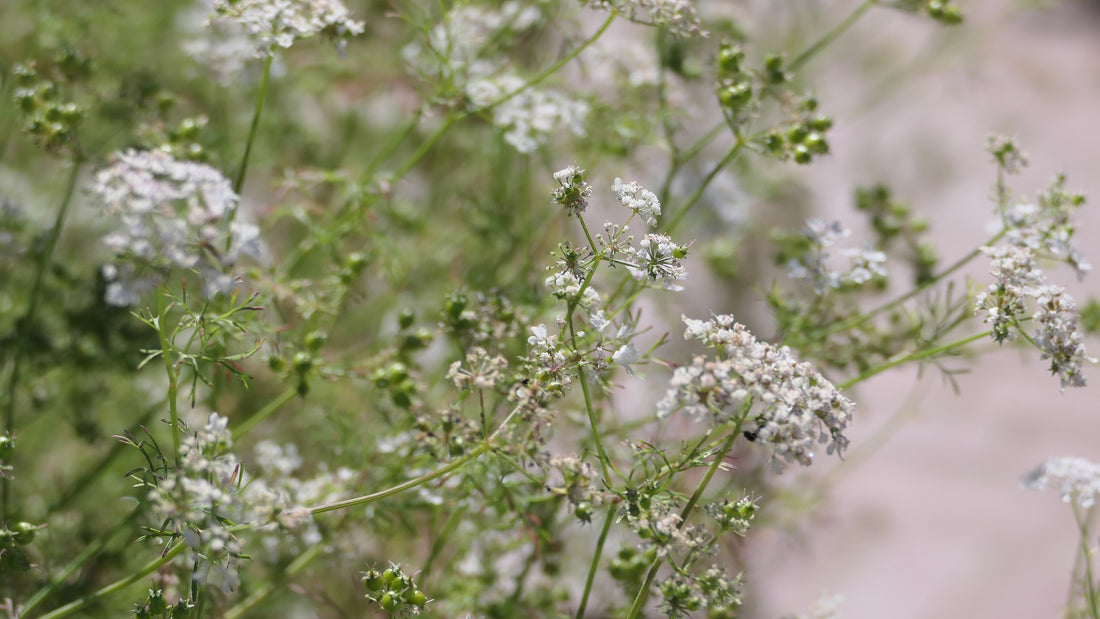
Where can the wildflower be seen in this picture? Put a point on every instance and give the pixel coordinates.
(866, 264)
(796, 406)
(1058, 337)
(279, 23)
(676, 15)
(657, 259)
(484, 372)
(1076, 479)
(573, 192)
(176, 214)
(528, 116)
(222, 46)
(638, 199)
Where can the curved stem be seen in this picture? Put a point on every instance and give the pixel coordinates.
(116, 586)
(238, 184)
(265, 412)
(399, 488)
(703, 185)
(25, 325)
(831, 36)
(90, 551)
(595, 565)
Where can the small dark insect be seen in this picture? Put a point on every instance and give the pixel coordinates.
(751, 436)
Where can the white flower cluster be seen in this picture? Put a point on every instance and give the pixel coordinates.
(211, 489)
(221, 46)
(1076, 479)
(657, 260)
(796, 406)
(1032, 231)
(176, 214)
(529, 118)
(865, 264)
(482, 371)
(545, 353)
(573, 191)
(638, 199)
(272, 24)
(676, 15)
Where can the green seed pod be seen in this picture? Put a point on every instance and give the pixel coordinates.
(387, 602)
(416, 598)
(24, 533)
(372, 580)
(315, 340)
(303, 362)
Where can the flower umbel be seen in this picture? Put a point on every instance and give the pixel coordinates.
(175, 214)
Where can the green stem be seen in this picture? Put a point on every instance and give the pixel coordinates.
(238, 184)
(25, 326)
(643, 593)
(116, 586)
(398, 489)
(831, 36)
(169, 368)
(1092, 596)
(595, 565)
(703, 185)
(245, 426)
(90, 551)
(913, 356)
(273, 584)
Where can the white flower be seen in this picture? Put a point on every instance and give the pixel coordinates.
(175, 214)
(279, 23)
(796, 406)
(1076, 479)
(657, 259)
(638, 199)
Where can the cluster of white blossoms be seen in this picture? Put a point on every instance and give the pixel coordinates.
(221, 46)
(795, 406)
(211, 489)
(481, 371)
(274, 24)
(1032, 231)
(638, 199)
(175, 214)
(864, 264)
(530, 117)
(463, 52)
(676, 15)
(1076, 479)
(460, 47)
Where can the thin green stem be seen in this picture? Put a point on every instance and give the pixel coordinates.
(912, 356)
(643, 592)
(594, 424)
(1092, 596)
(238, 184)
(116, 586)
(831, 36)
(452, 466)
(25, 326)
(595, 565)
(733, 152)
(245, 426)
(170, 369)
(275, 583)
(90, 551)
